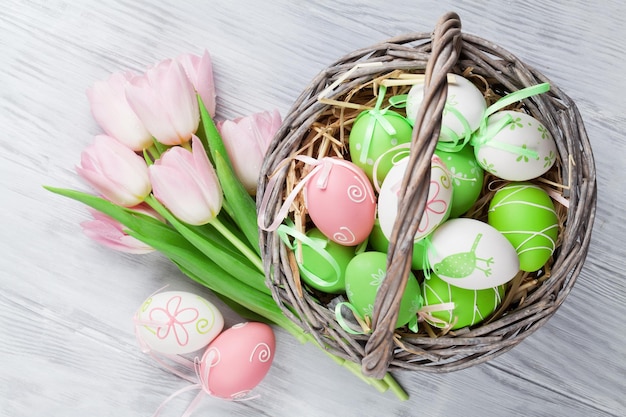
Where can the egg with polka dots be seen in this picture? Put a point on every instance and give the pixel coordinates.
(374, 142)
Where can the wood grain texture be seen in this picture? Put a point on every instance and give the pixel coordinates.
(66, 340)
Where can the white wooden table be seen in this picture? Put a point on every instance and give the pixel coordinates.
(67, 346)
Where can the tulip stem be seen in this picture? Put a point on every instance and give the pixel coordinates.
(245, 250)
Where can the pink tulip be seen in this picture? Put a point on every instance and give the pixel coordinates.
(115, 171)
(199, 70)
(246, 140)
(186, 183)
(165, 101)
(112, 112)
(111, 233)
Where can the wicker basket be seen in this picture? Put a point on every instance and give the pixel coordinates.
(531, 298)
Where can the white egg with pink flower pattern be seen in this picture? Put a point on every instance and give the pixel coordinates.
(177, 322)
(437, 207)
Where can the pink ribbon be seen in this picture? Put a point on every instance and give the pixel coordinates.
(325, 165)
(201, 383)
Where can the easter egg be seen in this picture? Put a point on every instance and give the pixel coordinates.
(237, 360)
(464, 108)
(471, 254)
(341, 202)
(467, 178)
(525, 215)
(364, 275)
(470, 306)
(437, 207)
(379, 242)
(373, 137)
(514, 146)
(177, 322)
(324, 262)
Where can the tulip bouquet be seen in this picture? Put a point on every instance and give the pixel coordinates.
(168, 178)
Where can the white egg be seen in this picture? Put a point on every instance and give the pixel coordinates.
(522, 150)
(437, 207)
(177, 322)
(471, 254)
(463, 98)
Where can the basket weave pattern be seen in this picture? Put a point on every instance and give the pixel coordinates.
(445, 50)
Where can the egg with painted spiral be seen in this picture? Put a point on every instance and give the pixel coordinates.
(340, 201)
(459, 307)
(177, 322)
(514, 146)
(237, 360)
(525, 214)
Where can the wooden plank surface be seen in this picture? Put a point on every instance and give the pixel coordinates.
(67, 346)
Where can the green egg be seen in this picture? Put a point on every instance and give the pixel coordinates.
(373, 134)
(467, 178)
(364, 275)
(317, 271)
(525, 215)
(470, 306)
(378, 241)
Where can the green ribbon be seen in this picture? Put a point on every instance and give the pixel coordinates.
(344, 323)
(377, 117)
(318, 245)
(485, 134)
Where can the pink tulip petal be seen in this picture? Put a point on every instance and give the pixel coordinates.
(208, 181)
(179, 98)
(199, 70)
(180, 196)
(110, 234)
(112, 112)
(115, 171)
(254, 134)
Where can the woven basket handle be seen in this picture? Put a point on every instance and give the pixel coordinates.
(446, 46)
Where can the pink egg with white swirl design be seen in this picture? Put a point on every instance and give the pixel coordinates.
(341, 201)
(177, 322)
(237, 360)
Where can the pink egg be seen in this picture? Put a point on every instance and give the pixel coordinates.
(341, 202)
(237, 360)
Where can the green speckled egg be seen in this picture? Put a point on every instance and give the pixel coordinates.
(470, 306)
(373, 134)
(364, 275)
(380, 243)
(525, 215)
(316, 271)
(467, 178)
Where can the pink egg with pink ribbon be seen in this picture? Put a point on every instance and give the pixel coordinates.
(341, 202)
